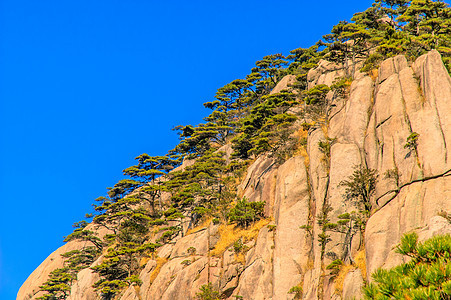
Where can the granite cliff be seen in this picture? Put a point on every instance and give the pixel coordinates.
(368, 128)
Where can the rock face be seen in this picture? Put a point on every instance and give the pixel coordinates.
(30, 288)
(369, 128)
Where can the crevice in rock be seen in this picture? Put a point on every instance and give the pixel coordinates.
(369, 114)
(398, 190)
(395, 167)
(228, 292)
(261, 175)
(382, 81)
(336, 113)
(246, 267)
(323, 270)
(442, 133)
(382, 122)
(311, 214)
(409, 124)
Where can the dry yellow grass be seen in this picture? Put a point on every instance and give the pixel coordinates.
(160, 262)
(202, 225)
(339, 280)
(421, 93)
(373, 74)
(301, 133)
(304, 153)
(310, 263)
(348, 85)
(325, 127)
(137, 290)
(229, 234)
(143, 261)
(302, 149)
(241, 258)
(360, 261)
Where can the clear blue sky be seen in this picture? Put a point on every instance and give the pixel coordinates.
(86, 86)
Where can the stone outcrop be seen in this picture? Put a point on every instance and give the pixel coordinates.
(369, 128)
(30, 288)
(284, 84)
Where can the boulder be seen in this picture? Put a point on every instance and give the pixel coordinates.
(391, 66)
(283, 84)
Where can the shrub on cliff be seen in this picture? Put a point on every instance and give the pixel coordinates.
(360, 186)
(208, 292)
(244, 213)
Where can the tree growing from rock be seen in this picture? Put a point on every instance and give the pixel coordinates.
(148, 172)
(58, 285)
(317, 105)
(270, 69)
(208, 292)
(267, 127)
(360, 187)
(121, 262)
(245, 213)
(349, 224)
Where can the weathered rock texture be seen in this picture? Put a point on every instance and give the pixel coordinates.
(370, 127)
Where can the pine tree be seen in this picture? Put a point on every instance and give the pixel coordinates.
(303, 60)
(244, 212)
(360, 186)
(427, 275)
(208, 292)
(148, 172)
(58, 284)
(270, 69)
(392, 9)
(349, 224)
(317, 106)
(266, 127)
(428, 24)
(195, 141)
(83, 234)
(121, 262)
(346, 44)
(199, 189)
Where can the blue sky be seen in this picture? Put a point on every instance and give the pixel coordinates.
(86, 86)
